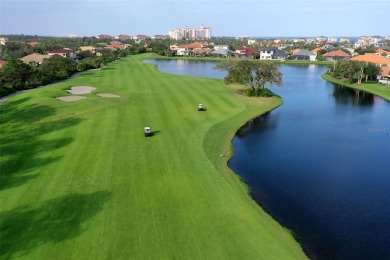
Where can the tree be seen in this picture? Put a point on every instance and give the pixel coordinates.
(255, 74)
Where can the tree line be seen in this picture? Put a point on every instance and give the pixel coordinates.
(354, 71)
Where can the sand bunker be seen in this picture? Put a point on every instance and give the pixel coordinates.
(77, 90)
(70, 98)
(107, 95)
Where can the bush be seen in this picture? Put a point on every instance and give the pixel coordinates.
(260, 92)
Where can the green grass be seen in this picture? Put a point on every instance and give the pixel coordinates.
(373, 88)
(80, 181)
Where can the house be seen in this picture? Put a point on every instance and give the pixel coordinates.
(3, 40)
(345, 40)
(201, 51)
(224, 53)
(292, 52)
(35, 58)
(2, 63)
(384, 76)
(186, 50)
(245, 52)
(336, 55)
(316, 50)
(33, 44)
(304, 55)
(251, 41)
(373, 58)
(332, 40)
(88, 48)
(272, 53)
(221, 47)
(382, 52)
(64, 52)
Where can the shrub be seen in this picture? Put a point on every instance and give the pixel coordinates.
(260, 92)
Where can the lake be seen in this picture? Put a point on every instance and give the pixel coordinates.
(319, 164)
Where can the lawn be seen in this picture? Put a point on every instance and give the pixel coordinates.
(80, 181)
(376, 89)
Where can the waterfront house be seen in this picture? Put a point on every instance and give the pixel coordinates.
(222, 53)
(373, 58)
(272, 53)
(35, 58)
(384, 76)
(304, 55)
(336, 55)
(244, 52)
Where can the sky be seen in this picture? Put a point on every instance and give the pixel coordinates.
(253, 18)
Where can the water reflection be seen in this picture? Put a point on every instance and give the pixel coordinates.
(347, 96)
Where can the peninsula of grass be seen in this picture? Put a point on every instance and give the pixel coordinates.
(80, 181)
(373, 88)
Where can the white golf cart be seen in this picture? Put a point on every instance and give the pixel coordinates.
(200, 107)
(147, 131)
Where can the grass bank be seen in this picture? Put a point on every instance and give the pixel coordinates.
(376, 89)
(81, 175)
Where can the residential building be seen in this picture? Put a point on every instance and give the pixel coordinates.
(272, 53)
(186, 50)
(382, 52)
(160, 37)
(316, 50)
(384, 76)
(373, 58)
(33, 44)
(336, 55)
(190, 33)
(64, 52)
(251, 41)
(321, 39)
(104, 36)
(141, 37)
(332, 40)
(3, 40)
(2, 63)
(221, 47)
(245, 52)
(345, 40)
(88, 48)
(304, 55)
(35, 57)
(365, 41)
(224, 53)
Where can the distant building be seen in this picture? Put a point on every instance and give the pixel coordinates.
(244, 52)
(336, 55)
(304, 55)
(251, 41)
(104, 36)
(64, 52)
(33, 44)
(204, 33)
(141, 37)
(345, 40)
(332, 40)
(3, 40)
(272, 53)
(123, 37)
(160, 37)
(35, 57)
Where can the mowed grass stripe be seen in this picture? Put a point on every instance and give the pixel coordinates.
(110, 193)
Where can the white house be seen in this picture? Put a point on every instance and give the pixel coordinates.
(221, 47)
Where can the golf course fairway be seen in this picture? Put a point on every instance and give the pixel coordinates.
(80, 181)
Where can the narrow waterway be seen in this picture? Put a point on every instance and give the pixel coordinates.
(319, 164)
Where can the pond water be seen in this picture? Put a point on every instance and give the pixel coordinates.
(319, 164)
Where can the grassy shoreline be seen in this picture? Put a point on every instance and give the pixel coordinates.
(376, 89)
(81, 175)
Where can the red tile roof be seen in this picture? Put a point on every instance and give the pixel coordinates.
(33, 44)
(385, 71)
(247, 50)
(372, 58)
(338, 53)
(63, 50)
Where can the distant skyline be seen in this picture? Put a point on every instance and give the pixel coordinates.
(253, 18)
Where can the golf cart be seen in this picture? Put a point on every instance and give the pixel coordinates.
(200, 107)
(147, 131)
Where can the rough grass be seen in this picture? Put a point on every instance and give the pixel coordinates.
(80, 181)
(376, 89)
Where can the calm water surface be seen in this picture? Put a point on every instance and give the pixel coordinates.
(319, 164)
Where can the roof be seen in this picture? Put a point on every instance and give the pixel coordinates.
(385, 71)
(195, 45)
(338, 53)
(2, 63)
(304, 53)
(35, 57)
(295, 51)
(316, 50)
(220, 52)
(33, 44)
(63, 50)
(247, 50)
(372, 58)
(277, 52)
(382, 51)
(202, 50)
